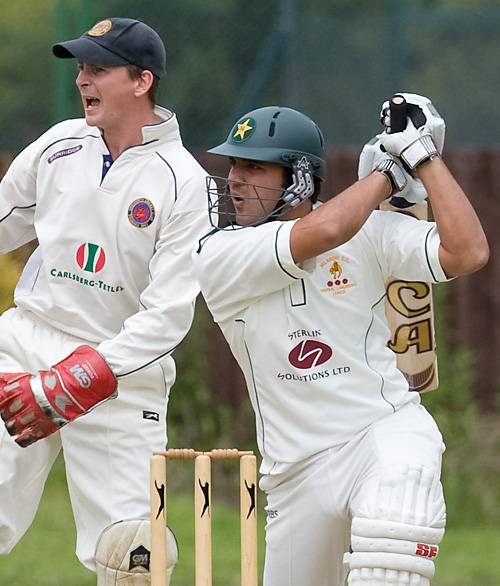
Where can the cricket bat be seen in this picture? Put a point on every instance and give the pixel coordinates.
(408, 306)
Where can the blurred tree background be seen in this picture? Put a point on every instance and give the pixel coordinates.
(227, 56)
(337, 60)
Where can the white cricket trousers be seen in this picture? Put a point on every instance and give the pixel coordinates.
(310, 507)
(106, 452)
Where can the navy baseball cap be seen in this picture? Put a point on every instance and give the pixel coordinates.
(117, 41)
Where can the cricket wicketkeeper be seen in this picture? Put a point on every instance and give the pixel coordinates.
(117, 204)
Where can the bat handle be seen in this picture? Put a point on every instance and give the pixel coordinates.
(398, 110)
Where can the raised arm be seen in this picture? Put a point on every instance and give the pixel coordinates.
(339, 219)
(464, 248)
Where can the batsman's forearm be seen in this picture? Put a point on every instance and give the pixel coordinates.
(339, 219)
(464, 248)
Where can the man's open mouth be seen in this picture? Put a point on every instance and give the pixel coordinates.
(91, 102)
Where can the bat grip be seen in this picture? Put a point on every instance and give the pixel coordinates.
(398, 110)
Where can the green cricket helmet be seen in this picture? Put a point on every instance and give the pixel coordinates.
(276, 135)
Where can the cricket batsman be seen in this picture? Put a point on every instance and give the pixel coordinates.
(351, 460)
(117, 204)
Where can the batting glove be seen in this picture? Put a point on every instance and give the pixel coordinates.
(34, 407)
(423, 137)
(373, 158)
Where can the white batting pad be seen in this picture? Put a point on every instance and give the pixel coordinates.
(123, 554)
(395, 536)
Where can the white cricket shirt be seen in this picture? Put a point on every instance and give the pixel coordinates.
(311, 340)
(113, 266)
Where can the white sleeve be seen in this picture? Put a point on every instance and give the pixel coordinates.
(18, 200)
(406, 248)
(237, 267)
(167, 303)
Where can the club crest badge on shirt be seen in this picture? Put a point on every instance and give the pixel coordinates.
(338, 278)
(141, 213)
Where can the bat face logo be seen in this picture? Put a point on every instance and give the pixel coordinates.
(309, 353)
(409, 314)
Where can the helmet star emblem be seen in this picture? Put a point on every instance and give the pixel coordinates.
(242, 129)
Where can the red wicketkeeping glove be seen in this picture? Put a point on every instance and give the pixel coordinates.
(35, 406)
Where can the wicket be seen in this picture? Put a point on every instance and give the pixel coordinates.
(203, 513)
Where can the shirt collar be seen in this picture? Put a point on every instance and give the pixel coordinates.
(167, 129)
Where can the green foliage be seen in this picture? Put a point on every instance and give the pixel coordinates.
(468, 557)
(335, 6)
(25, 64)
(227, 57)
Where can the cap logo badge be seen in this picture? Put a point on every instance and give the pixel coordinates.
(244, 130)
(100, 28)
